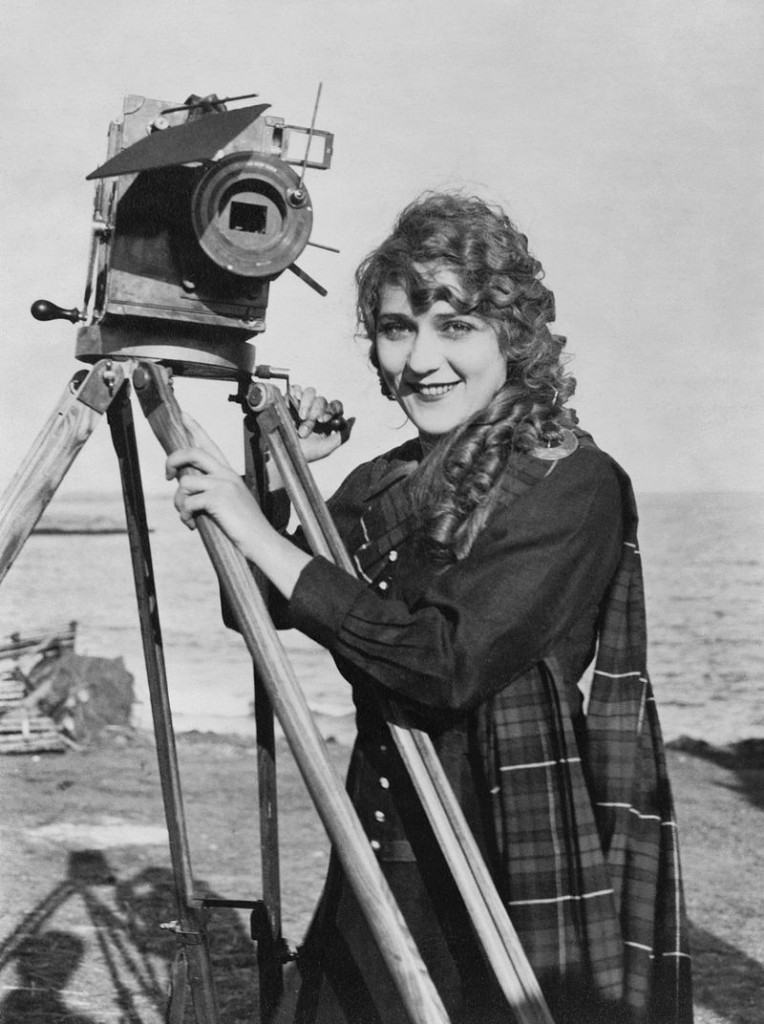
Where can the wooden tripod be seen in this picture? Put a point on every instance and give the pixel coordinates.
(106, 388)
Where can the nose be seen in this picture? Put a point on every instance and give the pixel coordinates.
(426, 353)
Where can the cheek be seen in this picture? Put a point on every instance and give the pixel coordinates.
(390, 360)
(486, 368)
(500, 370)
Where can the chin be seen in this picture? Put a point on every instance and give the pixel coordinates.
(436, 426)
(436, 418)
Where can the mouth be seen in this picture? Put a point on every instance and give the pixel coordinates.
(432, 390)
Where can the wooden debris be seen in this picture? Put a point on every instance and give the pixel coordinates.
(24, 729)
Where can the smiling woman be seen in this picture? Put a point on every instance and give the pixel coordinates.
(442, 367)
(497, 557)
(454, 305)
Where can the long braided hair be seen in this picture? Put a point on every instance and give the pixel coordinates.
(455, 487)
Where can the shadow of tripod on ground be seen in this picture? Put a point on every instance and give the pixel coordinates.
(111, 959)
(44, 965)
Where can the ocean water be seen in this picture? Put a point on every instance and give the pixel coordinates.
(703, 556)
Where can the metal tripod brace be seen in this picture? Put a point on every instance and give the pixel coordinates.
(106, 389)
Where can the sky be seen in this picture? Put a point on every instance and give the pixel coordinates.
(624, 138)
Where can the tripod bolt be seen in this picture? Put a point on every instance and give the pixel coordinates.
(109, 377)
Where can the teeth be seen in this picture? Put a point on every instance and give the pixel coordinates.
(434, 389)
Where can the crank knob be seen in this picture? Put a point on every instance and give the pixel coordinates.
(45, 310)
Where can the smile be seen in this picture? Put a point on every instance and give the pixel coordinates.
(433, 390)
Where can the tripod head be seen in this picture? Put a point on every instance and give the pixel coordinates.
(197, 210)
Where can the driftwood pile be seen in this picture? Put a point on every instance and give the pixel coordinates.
(52, 699)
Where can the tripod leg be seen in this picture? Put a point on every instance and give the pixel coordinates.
(74, 419)
(267, 924)
(361, 868)
(267, 402)
(193, 958)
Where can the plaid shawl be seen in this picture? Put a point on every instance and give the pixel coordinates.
(584, 827)
(635, 812)
(584, 820)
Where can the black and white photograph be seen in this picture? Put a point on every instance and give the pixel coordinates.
(382, 512)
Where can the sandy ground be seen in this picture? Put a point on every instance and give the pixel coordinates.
(86, 877)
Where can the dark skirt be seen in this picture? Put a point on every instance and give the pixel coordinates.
(574, 944)
(340, 976)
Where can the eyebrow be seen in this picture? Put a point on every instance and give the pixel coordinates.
(439, 318)
(454, 315)
(403, 317)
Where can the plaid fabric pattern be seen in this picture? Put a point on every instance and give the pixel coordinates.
(585, 839)
(585, 825)
(633, 800)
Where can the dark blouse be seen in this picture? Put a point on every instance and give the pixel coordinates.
(448, 646)
(530, 588)
(573, 813)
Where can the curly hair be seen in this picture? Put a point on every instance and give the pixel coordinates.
(501, 282)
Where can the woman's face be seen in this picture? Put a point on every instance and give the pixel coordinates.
(440, 365)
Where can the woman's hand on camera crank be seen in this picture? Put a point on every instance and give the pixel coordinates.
(207, 484)
(321, 424)
(321, 427)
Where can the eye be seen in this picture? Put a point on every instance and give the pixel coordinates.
(457, 328)
(394, 330)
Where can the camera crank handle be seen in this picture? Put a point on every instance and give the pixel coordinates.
(303, 276)
(337, 423)
(260, 396)
(45, 310)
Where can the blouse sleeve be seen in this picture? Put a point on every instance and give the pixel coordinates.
(539, 562)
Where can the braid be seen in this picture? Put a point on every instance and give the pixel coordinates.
(456, 486)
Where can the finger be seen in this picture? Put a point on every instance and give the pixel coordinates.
(306, 400)
(188, 520)
(332, 420)
(195, 483)
(186, 517)
(315, 414)
(333, 414)
(192, 458)
(310, 415)
(189, 506)
(318, 408)
(195, 504)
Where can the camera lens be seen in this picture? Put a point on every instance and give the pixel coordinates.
(243, 218)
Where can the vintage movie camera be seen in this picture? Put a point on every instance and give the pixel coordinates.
(197, 209)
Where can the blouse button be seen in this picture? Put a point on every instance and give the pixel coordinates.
(383, 585)
(384, 783)
(379, 816)
(375, 844)
(393, 556)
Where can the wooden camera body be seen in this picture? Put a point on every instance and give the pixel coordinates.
(197, 210)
